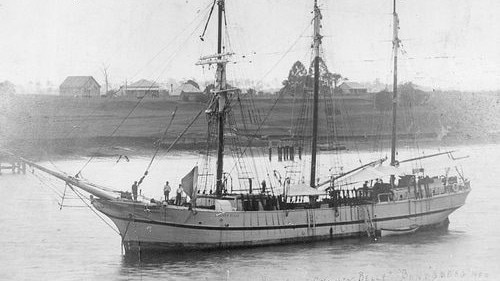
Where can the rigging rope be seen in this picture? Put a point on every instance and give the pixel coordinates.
(171, 145)
(137, 103)
(277, 99)
(157, 148)
(208, 20)
(260, 125)
(161, 139)
(115, 130)
(92, 209)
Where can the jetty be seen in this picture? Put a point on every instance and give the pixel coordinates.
(9, 163)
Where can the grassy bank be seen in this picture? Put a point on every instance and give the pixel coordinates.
(65, 124)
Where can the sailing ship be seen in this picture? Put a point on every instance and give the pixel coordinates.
(302, 212)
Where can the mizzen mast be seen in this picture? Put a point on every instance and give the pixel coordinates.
(395, 45)
(317, 44)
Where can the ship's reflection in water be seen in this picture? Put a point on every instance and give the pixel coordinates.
(295, 261)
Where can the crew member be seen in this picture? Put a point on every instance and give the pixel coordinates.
(166, 191)
(134, 191)
(178, 197)
(365, 188)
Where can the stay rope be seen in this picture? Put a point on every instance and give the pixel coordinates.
(92, 209)
(261, 123)
(161, 139)
(172, 144)
(157, 147)
(141, 98)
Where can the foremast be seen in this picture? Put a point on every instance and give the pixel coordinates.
(316, 45)
(395, 45)
(221, 101)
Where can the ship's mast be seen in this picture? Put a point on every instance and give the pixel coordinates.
(220, 87)
(395, 45)
(317, 44)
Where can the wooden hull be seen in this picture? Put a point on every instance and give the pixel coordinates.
(163, 228)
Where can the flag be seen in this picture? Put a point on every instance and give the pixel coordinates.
(190, 183)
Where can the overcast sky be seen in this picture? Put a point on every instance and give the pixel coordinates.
(446, 43)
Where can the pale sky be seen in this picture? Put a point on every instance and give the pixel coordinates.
(447, 43)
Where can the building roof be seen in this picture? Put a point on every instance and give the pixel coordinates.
(77, 81)
(352, 85)
(186, 88)
(143, 83)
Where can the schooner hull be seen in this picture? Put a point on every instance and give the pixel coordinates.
(172, 228)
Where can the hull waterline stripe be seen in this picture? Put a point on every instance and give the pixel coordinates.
(229, 228)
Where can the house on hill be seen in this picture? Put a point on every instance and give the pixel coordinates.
(80, 86)
(143, 88)
(352, 88)
(189, 92)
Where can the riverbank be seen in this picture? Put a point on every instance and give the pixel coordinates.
(54, 125)
(146, 146)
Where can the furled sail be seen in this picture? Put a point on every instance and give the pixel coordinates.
(369, 173)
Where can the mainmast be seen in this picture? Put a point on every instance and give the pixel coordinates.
(317, 44)
(220, 87)
(395, 45)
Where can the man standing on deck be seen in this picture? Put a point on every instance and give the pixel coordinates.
(178, 197)
(365, 189)
(134, 191)
(166, 191)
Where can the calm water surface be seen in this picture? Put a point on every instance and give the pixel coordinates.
(40, 242)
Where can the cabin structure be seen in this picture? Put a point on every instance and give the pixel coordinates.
(80, 86)
(352, 88)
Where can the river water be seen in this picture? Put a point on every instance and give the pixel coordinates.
(40, 242)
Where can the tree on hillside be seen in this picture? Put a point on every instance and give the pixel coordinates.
(411, 95)
(383, 100)
(297, 77)
(337, 77)
(324, 73)
(408, 95)
(7, 88)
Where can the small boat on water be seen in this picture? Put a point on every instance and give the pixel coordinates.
(299, 212)
(398, 231)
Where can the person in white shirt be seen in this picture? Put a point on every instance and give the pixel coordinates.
(178, 197)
